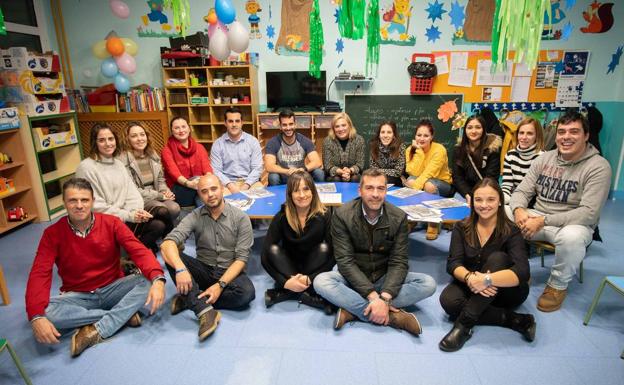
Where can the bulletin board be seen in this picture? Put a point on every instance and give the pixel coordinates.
(474, 94)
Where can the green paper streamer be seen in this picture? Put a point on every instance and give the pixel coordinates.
(351, 21)
(2, 26)
(372, 37)
(316, 41)
(345, 26)
(181, 13)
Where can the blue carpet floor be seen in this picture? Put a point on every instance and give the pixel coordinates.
(291, 344)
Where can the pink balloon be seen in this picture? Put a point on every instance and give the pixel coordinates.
(126, 63)
(119, 8)
(213, 27)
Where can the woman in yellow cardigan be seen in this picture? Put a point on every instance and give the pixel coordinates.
(427, 163)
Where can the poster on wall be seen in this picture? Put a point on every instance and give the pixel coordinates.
(569, 92)
(294, 35)
(395, 22)
(546, 75)
(575, 64)
(155, 21)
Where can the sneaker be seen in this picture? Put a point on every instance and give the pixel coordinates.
(84, 338)
(273, 296)
(315, 300)
(208, 323)
(433, 230)
(551, 299)
(135, 321)
(177, 305)
(342, 317)
(456, 338)
(403, 320)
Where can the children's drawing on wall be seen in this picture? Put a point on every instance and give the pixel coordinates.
(477, 28)
(552, 25)
(395, 24)
(575, 64)
(155, 23)
(599, 17)
(294, 36)
(252, 7)
(615, 59)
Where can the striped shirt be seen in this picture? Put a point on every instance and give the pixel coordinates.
(515, 167)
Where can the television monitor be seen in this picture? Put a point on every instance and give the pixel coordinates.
(297, 90)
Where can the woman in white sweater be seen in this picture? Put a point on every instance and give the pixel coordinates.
(115, 192)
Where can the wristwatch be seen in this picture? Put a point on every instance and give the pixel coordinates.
(222, 284)
(487, 281)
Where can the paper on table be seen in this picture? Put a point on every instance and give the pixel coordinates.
(442, 65)
(520, 86)
(257, 193)
(330, 198)
(521, 69)
(499, 78)
(404, 192)
(459, 60)
(460, 78)
(326, 187)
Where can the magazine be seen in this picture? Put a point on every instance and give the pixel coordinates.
(256, 193)
(445, 203)
(404, 192)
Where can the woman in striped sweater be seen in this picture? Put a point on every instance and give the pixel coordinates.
(530, 139)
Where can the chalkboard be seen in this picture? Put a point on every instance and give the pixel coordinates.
(367, 111)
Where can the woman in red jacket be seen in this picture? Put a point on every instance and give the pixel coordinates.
(184, 161)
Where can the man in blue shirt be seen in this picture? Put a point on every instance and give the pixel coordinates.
(236, 157)
(289, 152)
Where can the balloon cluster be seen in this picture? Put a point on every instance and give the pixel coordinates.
(225, 34)
(118, 59)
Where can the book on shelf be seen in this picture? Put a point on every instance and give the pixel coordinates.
(141, 99)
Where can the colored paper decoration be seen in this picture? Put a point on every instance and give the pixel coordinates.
(435, 11)
(567, 31)
(433, 33)
(351, 21)
(270, 31)
(316, 41)
(181, 14)
(339, 45)
(599, 17)
(615, 59)
(372, 36)
(395, 29)
(2, 26)
(447, 110)
(457, 15)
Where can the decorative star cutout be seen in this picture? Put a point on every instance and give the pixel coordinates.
(270, 46)
(433, 33)
(567, 31)
(559, 67)
(270, 31)
(457, 15)
(337, 15)
(435, 11)
(615, 59)
(339, 45)
(570, 3)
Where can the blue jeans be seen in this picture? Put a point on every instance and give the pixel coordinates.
(276, 179)
(109, 307)
(334, 287)
(443, 189)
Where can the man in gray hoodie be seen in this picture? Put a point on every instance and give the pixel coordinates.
(570, 185)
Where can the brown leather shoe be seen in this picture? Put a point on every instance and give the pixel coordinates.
(551, 299)
(84, 338)
(433, 230)
(135, 321)
(342, 317)
(403, 320)
(177, 305)
(208, 323)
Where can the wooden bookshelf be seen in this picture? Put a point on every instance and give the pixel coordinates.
(314, 125)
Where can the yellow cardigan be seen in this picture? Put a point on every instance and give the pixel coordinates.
(433, 164)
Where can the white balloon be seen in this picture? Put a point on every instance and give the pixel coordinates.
(218, 45)
(238, 37)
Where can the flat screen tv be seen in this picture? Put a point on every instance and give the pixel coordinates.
(296, 90)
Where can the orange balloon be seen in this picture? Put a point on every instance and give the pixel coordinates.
(212, 18)
(114, 46)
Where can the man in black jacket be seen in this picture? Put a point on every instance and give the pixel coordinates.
(370, 246)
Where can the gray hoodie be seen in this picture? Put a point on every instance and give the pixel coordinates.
(569, 193)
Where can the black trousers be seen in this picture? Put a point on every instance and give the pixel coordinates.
(474, 309)
(151, 231)
(281, 266)
(236, 295)
(337, 178)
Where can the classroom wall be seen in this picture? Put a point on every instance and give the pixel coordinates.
(89, 21)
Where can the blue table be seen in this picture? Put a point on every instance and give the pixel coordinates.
(266, 208)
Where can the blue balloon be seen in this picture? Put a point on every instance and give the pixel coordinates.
(225, 11)
(109, 67)
(122, 84)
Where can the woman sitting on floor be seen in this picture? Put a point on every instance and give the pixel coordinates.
(387, 152)
(297, 246)
(343, 151)
(145, 169)
(489, 263)
(113, 189)
(184, 161)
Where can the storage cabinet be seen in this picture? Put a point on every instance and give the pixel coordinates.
(314, 125)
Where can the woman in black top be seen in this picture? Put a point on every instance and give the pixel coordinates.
(488, 260)
(476, 157)
(387, 152)
(297, 246)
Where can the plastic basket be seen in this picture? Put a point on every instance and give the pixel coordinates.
(421, 86)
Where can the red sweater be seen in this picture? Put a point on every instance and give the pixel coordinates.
(84, 264)
(188, 162)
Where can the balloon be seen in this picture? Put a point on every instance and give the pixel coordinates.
(212, 17)
(213, 27)
(238, 37)
(126, 63)
(119, 8)
(99, 50)
(218, 45)
(130, 46)
(109, 68)
(114, 46)
(225, 11)
(122, 84)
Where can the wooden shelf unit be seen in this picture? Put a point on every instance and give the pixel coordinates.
(13, 144)
(53, 165)
(314, 125)
(206, 118)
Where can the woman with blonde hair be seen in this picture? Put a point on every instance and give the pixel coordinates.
(297, 246)
(343, 151)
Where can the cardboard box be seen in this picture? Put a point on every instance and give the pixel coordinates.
(7, 186)
(20, 59)
(54, 136)
(9, 118)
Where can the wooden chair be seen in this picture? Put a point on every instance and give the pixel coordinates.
(617, 283)
(4, 290)
(5, 344)
(540, 246)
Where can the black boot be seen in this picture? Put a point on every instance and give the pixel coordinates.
(456, 338)
(273, 296)
(315, 300)
(523, 324)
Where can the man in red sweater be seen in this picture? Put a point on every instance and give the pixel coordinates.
(95, 296)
